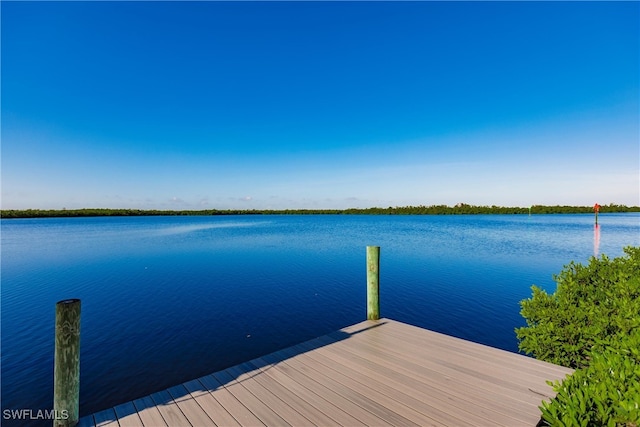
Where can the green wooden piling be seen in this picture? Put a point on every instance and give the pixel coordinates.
(66, 373)
(373, 282)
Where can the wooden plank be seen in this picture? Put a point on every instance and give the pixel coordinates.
(306, 409)
(312, 406)
(169, 410)
(210, 405)
(349, 390)
(431, 339)
(474, 366)
(437, 391)
(425, 391)
(128, 415)
(105, 418)
(372, 373)
(434, 340)
(260, 409)
(497, 404)
(325, 391)
(440, 382)
(241, 413)
(484, 369)
(189, 407)
(354, 377)
(245, 375)
(148, 412)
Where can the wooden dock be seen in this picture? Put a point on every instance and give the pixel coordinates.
(378, 372)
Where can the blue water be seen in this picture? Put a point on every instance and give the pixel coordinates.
(169, 299)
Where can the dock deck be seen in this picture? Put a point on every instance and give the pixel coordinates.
(373, 373)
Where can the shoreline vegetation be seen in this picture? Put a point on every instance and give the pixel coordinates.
(459, 209)
(590, 323)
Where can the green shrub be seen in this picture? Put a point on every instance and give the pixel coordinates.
(606, 393)
(591, 323)
(591, 304)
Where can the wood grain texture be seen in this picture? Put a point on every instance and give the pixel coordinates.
(66, 372)
(373, 282)
(379, 372)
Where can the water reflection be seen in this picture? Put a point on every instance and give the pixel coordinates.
(200, 227)
(249, 275)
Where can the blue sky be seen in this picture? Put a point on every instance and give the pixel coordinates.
(218, 105)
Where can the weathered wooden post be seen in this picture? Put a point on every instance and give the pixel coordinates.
(66, 373)
(373, 282)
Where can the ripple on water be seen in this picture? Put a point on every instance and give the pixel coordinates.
(168, 299)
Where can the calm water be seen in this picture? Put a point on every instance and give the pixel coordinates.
(169, 299)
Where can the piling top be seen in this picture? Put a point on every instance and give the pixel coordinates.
(68, 301)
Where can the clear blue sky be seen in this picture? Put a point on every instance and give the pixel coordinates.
(203, 105)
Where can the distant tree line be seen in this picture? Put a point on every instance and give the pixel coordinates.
(463, 208)
(459, 209)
